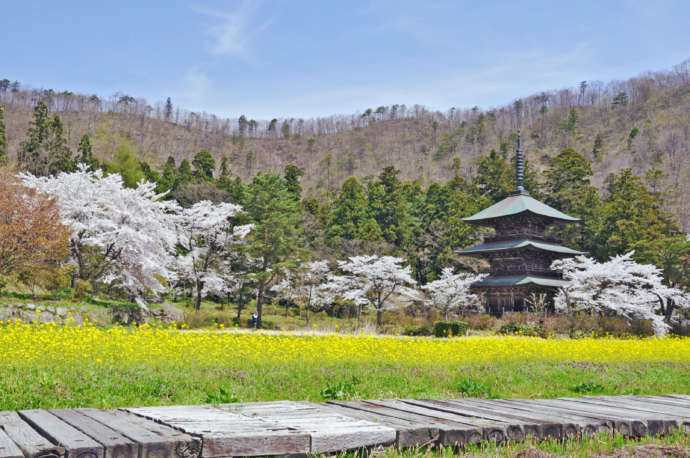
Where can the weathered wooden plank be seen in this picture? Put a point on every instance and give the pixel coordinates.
(519, 427)
(579, 417)
(678, 396)
(228, 433)
(624, 423)
(652, 403)
(30, 442)
(491, 430)
(329, 432)
(539, 426)
(664, 400)
(74, 441)
(115, 444)
(154, 440)
(628, 409)
(678, 412)
(409, 433)
(8, 449)
(571, 424)
(447, 432)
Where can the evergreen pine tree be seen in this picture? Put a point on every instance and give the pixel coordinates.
(59, 155)
(184, 173)
(495, 177)
(224, 168)
(276, 236)
(29, 154)
(569, 190)
(85, 152)
(168, 179)
(350, 218)
(204, 164)
(168, 109)
(292, 176)
(633, 219)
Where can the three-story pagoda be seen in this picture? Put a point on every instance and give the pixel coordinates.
(520, 252)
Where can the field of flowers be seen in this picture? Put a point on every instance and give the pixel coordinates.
(58, 366)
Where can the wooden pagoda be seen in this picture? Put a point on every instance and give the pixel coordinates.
(520, 252)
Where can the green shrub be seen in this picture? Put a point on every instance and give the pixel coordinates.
(266, 323)
(450, 328)
(341, 390)
(64, 293)
(473, 388)
(109, 304)
(221, 397)
(587, 387)
(522, 329)
(418, 331)
(82, 288)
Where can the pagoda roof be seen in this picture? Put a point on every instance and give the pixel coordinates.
(516, 280)
(518, 203)
(520, 243)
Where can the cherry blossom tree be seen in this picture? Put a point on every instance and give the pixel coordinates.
(120, 236)
(305, 286)
(312, 294)
(286, 288)
(372, 280)
(619, 286)
(204, 232)
(451, 293)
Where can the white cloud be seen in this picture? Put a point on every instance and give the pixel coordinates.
(197, 89)
(231, 32)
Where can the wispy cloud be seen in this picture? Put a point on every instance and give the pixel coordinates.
(196, 90)
(232, 32)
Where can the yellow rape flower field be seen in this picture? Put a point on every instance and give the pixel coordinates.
(48, 366)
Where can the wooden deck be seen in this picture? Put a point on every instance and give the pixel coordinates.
(302, 428)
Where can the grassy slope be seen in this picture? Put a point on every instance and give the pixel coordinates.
(676, 444)
(109, 387)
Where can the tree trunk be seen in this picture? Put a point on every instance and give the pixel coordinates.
(259, 305)
(199, 287)
(308, 316)
(240, 306)
(379, 317)
(359, 316)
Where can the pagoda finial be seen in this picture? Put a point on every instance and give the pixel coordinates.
(519, 169)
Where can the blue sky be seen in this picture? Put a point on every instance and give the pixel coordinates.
(296, 58)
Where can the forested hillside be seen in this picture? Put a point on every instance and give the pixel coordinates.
(642, 123)
(265, 201)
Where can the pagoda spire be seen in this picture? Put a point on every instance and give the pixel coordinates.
(519, 170)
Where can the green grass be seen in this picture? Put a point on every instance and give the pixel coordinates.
(110, 387)
(674, 444)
